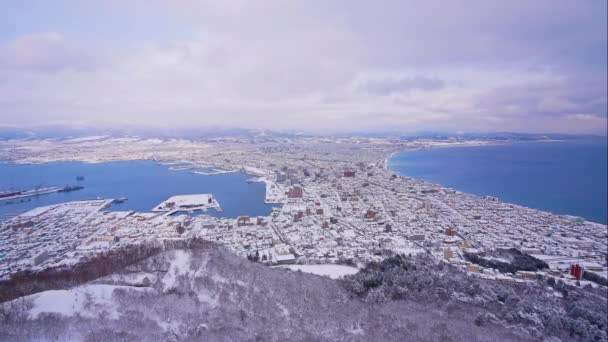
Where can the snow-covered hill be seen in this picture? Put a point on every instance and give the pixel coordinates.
(212, 295)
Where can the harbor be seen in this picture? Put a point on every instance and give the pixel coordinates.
(134, 185)
(9, 197)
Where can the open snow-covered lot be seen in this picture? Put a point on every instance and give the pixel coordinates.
(328, 270)
(87, 300)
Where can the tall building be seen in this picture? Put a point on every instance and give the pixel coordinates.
(281, 178)
(295, 192)
(576, 271)
(349, 174)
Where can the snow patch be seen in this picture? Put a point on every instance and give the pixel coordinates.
(283, 309)
(86, 301)
(132, 279)
(329, 270)
(180, 265)
(204, 296)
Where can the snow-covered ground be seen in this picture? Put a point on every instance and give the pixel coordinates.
(274, 192)
(188, 202)
(329, 270)
(255, 171)
(180, 265)
(87, 300)
(89, 138)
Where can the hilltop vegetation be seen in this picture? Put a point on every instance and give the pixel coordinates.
(541, 308)
(507, 261)
(203, 292)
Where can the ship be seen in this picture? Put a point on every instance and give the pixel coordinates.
(69, 188)
(9, 194)
(79, 178)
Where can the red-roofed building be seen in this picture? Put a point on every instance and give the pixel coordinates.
(295, 192)
(349, 173)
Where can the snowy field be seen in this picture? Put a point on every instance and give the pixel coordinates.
(329, 270)
(87, 300)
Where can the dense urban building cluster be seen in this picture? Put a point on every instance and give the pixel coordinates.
(338, 203)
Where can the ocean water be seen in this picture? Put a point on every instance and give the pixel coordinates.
(144, 183)
(566, 177)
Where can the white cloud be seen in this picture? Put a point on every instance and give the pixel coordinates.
(43, 52)
(322, 66)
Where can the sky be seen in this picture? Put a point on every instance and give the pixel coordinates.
(316, 66)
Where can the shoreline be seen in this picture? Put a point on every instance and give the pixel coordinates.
(386, 165)
(389, 167)
(446, 145)
(484, 143)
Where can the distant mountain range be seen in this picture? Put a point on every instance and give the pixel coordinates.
(64, 133)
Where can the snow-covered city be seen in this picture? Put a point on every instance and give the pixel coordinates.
(332, 170)
(338, 203)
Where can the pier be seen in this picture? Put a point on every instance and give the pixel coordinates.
(37, 192)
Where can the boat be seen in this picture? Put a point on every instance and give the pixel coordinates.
(9, 194)
(69, 188)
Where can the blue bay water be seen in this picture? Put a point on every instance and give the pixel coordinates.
(566, 177)
(144, 183)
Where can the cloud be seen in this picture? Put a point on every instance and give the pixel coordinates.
(320, 66)
(43, 51)
(548, 98)
(399, 85)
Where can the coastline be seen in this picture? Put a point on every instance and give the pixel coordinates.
(448, 145)
(390, 167)
(273, 199)
(484, 143)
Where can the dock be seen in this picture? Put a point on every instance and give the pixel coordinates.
(188, 203)
(37, 192)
